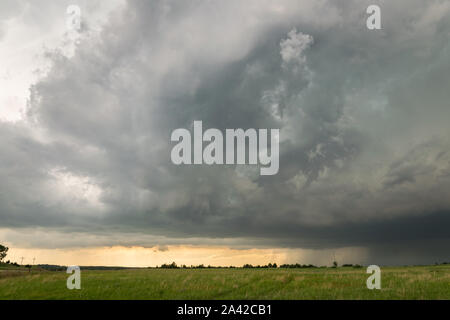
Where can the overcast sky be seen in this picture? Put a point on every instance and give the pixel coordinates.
(86, 118)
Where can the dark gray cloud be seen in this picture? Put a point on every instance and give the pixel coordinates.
(363, 115)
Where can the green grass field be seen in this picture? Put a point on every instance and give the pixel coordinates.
(427, 282)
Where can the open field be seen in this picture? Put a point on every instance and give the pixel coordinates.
(421, 282)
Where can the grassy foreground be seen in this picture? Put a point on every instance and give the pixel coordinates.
(427, 282)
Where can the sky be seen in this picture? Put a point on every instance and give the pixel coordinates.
(86, 118)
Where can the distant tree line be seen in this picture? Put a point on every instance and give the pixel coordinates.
(173, 265)
(270, 265)
(12, 263)
(352, 265)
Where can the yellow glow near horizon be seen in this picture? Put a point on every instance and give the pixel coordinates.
(188, 255)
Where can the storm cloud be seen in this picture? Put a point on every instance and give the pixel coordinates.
(363, 118)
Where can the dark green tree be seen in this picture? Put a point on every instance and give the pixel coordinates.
(3, 251)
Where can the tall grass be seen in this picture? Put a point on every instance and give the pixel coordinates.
(428, 282)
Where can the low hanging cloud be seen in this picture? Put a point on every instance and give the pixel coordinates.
(364, 135)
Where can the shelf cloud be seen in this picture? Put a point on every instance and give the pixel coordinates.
(363, 119)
